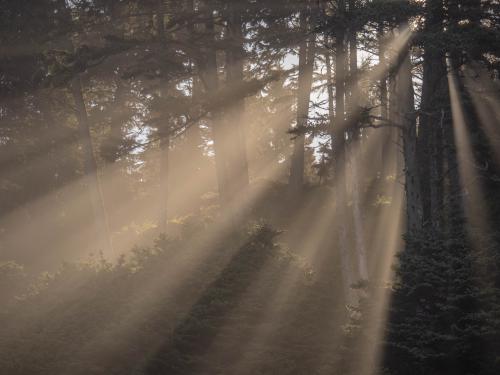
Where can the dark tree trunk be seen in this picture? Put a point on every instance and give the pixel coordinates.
(404, 117)
(306, 68)
(353, 149)
(227, 129)
(339, 155)
(434, 103)
(210, 78)
(385, 133)
(331, 97)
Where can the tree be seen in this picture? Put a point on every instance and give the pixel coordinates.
(305, 79)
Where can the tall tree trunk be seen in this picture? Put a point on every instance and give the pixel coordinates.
(404, 117)
(455, 206)
(385, 133)
(227, 128)
(91, 178)
(331, 98)
(306, 68)
(393, 163)
(353, 147)
(434, 94)
(193, 134)
(210, 79)
(339, 153)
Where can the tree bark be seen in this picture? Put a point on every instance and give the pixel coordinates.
(339, 153)
(359, 235)
(193, 134)
(227, 129)
(306, 68)
(434, 94)
(385, 133)
(393, 163)
(404, 116)
(331, 98)
(220, 153)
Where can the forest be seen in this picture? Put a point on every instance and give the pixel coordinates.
(250, 187)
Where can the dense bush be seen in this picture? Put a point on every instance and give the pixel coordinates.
(238, 304)
(445, 310)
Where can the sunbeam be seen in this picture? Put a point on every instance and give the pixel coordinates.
(249, 187)
(473, 198)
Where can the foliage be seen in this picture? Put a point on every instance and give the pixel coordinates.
(445, 308)
(99, 318)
